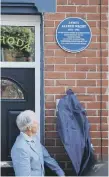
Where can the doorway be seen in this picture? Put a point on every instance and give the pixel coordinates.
(20, 77)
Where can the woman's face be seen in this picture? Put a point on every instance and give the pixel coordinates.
(35, 127)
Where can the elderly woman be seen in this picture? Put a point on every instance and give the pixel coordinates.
(28, 155)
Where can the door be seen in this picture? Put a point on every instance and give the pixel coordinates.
(20, 78)
(18, 94)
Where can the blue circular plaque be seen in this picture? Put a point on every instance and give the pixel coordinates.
(73, 34)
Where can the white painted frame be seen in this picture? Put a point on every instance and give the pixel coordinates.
(27, 20)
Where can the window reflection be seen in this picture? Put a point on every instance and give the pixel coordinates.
(9, 90)
(17, 43)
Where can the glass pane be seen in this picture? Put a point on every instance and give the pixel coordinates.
(17, 43)
(10, 90)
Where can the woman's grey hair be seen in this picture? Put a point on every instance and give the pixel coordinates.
(25, 119)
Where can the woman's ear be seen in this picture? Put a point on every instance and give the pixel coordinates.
(29, 128)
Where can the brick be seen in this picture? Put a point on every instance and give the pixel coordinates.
(49, 82)
(49, 105)
(59, 96)
(54, 75)
(77, 2)
(96, 46)
(96, 17)
(96, 31)
(49, 52)
(54, 16)
(85, 68)
(91, 113)
(103, 24)
(86, 82)
(61, 2)
(86, 53)
(49, 38)
(95, 90)
(92, 23)
(69, 165)
(104, 127)
(57, 23)
(105, 142)
(96, 142)
(104, 150)
(104, 9)
(49, 67)
(103, 39)
(96, 60)
(79, 90)
(104, 120)
(104, 68)
(50, 119)
(97, 134)
(96, 119)
(55, 60)
(49, 98)
(56, 150)
(62, 53)
(104, 97)
(54, 90)
(51, 46)
(75, 75)
(97, 149)
(75, 15)
(58, 142)
(75, 60)
(49, 113)
(86, 9)
(104, 2)
(65, 82)
(49, 31)
(51, 135)
(104, 53)
(86, 97)
(49, 142)
(104, 112)
(64, 68)
(95, 2)
(66, 9)
(49, 127)
(94, 38)
(95, 76)
(49, 23)
(96, 105)
(62, 157)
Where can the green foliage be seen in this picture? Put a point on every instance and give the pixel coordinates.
(18, 38)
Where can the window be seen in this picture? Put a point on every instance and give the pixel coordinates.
(9, 90)
(17, 43)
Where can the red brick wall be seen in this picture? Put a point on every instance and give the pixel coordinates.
(80, 71)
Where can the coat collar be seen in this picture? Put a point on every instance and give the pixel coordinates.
(30, 140)
(26, 137)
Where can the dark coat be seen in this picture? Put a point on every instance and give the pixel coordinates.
(73, 129)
